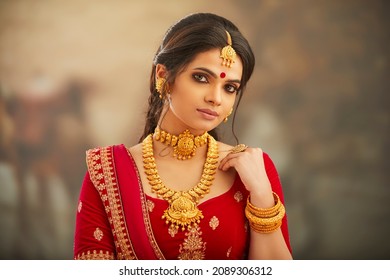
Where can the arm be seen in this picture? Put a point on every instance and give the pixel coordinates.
(93, 236)
(275, 245)
(260, 178)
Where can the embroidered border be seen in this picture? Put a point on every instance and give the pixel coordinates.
(95, 255)
(101, 168)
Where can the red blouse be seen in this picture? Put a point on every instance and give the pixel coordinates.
(222, 233)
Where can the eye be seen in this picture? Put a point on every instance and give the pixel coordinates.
(231, 88)
(200, 78)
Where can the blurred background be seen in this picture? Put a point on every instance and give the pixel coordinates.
(74, 75)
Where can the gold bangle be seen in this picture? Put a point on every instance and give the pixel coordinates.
(266, 221)
(262, 229)
(265, 212)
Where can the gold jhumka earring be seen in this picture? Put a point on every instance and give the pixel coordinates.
(160, 86)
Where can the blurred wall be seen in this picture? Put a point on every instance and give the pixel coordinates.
(74, 75)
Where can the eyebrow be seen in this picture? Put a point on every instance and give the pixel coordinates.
(215, 75)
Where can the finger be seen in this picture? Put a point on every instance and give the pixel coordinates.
(239, 148)
(227, 158)
(232, 162)
(227, 164)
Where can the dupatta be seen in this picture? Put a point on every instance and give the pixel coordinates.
(115, 176)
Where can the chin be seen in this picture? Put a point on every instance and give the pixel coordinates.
(202, 125)
(209, 127)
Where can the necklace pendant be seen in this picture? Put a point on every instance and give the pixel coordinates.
(184, 145)
(185, 148)
(182, 212)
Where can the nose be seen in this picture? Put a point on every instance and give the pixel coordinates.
(214, 96)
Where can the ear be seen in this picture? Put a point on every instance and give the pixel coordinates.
(161, 71)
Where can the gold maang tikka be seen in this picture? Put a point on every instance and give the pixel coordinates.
(184, 145)
(228, 54)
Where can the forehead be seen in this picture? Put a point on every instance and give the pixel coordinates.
(212, 61)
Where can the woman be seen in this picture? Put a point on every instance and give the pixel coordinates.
(179, 193)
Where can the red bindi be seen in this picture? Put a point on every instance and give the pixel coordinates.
(222, 75)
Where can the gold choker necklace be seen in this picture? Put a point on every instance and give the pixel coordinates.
(184, 145)
(182, 210)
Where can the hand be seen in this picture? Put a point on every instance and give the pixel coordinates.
(249, 165)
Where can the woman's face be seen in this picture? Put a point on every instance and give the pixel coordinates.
(203, 94)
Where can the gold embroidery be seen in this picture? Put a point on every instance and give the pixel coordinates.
(238, 196)
(172, 231)
(229, 251)
(98, 234)
(97, 166)
(96, 157)
(214, 222)
(100, 187)
(193, 247)
(95, 255)
(79, 206)
(150, 205)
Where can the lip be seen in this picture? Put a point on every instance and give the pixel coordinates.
(208, 114)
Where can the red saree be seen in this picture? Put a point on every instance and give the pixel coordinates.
(116, 220)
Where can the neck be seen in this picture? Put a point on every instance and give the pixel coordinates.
(171, 124)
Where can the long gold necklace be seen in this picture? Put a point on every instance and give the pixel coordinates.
(184, 145)
(182, 210)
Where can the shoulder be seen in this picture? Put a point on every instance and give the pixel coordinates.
(100, 149)
(224, 148)
(135, 150)
(94, 154)
(136, 147)
(99, 154)
(100, 160)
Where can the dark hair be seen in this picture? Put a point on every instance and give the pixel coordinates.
(185, 39)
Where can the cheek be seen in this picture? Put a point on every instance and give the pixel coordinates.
(179, 98)
(186, 96)
(180, 102)
(230, 101)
